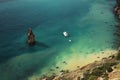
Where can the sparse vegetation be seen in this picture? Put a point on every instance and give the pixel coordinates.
(92, 77)
(100, 71)
(118, 56)
(104, 68)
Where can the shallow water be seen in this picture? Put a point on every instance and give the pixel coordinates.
(90, 24)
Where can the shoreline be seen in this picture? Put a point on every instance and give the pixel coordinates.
(97, 58)
(80, 72)
(73, 64)
(90, 58)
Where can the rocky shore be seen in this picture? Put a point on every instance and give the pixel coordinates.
(117, 9)
(117, 15)
(106, 69)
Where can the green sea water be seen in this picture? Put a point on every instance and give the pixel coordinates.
(90, 24)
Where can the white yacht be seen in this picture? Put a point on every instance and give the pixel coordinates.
(65, 34)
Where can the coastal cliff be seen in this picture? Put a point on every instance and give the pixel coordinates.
(107, 68)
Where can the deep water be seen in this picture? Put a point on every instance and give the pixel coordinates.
(90, 24)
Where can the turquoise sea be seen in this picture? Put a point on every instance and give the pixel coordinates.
(90, 24)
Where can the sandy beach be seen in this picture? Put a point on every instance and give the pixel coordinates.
(89, 23)
(76, 61)
(73, 63)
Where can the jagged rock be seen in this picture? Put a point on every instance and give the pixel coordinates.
(117, 11)
(31, 37)
(116, 8)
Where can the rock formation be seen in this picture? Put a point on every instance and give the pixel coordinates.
(117, 10)
(31, 37)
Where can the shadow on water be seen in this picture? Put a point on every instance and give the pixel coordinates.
(18, 49)
(41, 44)
(36, 47)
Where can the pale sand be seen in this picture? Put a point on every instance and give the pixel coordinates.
(74, 61)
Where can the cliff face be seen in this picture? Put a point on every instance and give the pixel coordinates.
(117, 9)
(118, 2)
(106, 69)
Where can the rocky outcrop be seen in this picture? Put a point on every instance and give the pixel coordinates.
(117, 11)
(31, 37)
(118, 2)
(105, 69)
(117, 32)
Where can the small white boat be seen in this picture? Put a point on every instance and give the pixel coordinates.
(65, 34)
